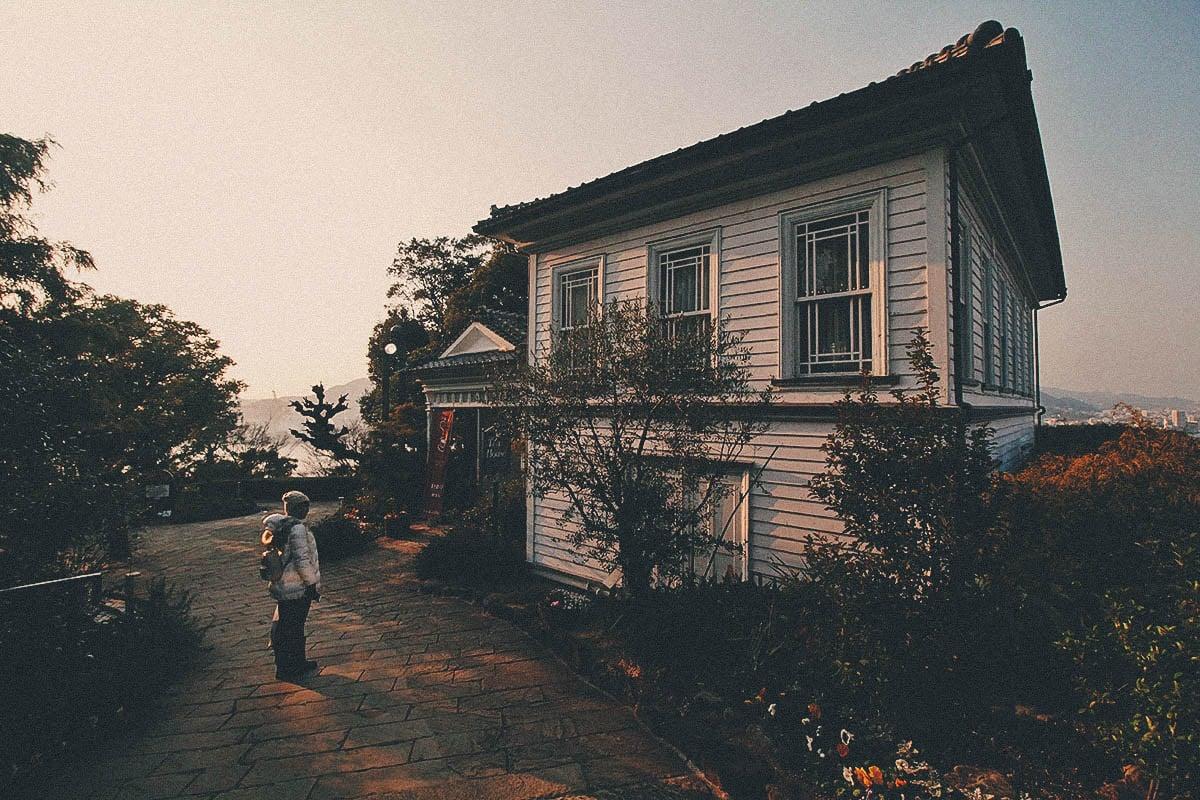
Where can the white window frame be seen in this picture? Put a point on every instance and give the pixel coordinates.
(559, 272)
(966, 303)
(875, 204)
(989, 320)
(655, 250)
(740, 485)
(1005, 337)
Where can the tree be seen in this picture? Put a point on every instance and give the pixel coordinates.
(634, 423)
(413, 345)
(1102, 553)
(909, 481)
(319, 429)
(252, 451)
(159, 384)
(33, 270)
(909, 632)
(500, 283)
(429, 271)
(98, 390)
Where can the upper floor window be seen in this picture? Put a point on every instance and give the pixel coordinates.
(989, 313)
(1005, 337)
(833, 311)
(965, 321)
(682, 280)
(576, 294)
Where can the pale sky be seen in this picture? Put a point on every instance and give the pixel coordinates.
(253, 165)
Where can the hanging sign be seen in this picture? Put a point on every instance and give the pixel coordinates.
(439, 455)
(496, 450)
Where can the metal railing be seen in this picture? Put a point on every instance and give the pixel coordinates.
(85, 589)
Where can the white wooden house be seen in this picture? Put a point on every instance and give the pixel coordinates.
(827, 235)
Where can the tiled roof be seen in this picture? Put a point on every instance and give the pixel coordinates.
(988, 35)
(467, 360)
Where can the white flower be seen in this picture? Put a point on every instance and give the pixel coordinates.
(771, 709)
(848, 774)
(810, 743)
(804, 721)
(846, 736)
(821, 753)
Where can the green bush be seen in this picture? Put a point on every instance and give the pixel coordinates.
(1075, 440)
(69, 677)
(338, 537)
(1101, 561)
(486, 546)
(466, 556)
(906, 636)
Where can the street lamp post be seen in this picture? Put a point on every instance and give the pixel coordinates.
(390, 351)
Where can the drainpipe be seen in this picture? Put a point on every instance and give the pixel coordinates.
(1037, 353)
(956, 272)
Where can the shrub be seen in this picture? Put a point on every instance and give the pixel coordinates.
(1075, 440)
(70, 677)
(911, 482)
(338, 536)
(486, 546)
(1101, 556)
(470, 557)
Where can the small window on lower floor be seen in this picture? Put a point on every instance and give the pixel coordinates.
(726, 557)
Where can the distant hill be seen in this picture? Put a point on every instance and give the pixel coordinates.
(1099, 401)
(1057, 404)
(280, 417)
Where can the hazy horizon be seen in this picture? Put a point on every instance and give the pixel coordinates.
(253, 167)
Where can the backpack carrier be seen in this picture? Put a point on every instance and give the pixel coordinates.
(271, 564)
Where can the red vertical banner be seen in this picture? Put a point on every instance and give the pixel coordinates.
(439, 455)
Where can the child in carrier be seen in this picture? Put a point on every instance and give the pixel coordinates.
(290, 564)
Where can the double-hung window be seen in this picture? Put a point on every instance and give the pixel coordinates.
(682, 281)
(989, 312)
(576, 294)
(721, 553)
(833, 313)
(1005, 337)
(966, 304)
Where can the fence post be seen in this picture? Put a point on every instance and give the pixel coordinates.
(131, 579)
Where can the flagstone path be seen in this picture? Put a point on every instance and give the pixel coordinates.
(418, 696)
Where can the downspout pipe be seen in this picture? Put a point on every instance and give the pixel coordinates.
(1037, 352)
(956, 272)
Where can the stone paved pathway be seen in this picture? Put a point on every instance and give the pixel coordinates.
(417, 697)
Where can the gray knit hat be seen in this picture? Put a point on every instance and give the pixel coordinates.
(293, 497)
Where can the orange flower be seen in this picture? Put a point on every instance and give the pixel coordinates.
(843, 749)
(814, 710)
(871, 776)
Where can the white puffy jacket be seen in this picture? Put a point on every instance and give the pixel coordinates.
(301, 567)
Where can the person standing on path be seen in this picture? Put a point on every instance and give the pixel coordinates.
(296, 589)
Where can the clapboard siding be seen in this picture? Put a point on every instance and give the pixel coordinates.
(980, 229)
(748, 281)
(782, 513)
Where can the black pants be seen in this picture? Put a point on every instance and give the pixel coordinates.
(287, 633)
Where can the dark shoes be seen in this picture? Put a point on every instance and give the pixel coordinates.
(301, 671)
